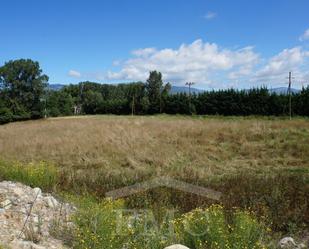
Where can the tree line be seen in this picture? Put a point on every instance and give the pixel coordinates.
(25, 94)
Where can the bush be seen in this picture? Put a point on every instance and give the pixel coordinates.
(41, 174)
(209, 228)
(281, 199)
(6, 115)
(96, 225)
(109, 225)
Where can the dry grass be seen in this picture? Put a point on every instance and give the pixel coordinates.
(257, 163)
(178, 146)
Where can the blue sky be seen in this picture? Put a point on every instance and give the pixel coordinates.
(215, 43)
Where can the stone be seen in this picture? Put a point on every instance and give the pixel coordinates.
(176, 246)
(37, 192)
(16, 201)
(18, 191)
(51, 202)
(287, 243)
(26, 245)
(6, 204)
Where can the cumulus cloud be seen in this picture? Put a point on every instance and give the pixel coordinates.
(304, 36)
(208, 65)
(210, 15)
(144, 52)
(279, 65)
(74, 74)
(98, 76)
(197, 62)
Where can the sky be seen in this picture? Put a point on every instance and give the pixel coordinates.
(213, 43)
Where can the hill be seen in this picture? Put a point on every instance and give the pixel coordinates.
(283, 90)
(55, 87)
(184, 89)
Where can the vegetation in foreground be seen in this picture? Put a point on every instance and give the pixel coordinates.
(198, 229)
(260, 166)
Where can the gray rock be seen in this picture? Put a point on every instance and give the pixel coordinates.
(302, 246)
(25, 245)
(6, 204)
(176, 246)
(287, 243)
(37, 192)
(16, 201)
(51, 202)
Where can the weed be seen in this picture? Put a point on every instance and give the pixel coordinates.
(42, 174)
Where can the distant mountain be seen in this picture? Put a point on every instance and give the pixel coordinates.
(174, 90)
(283, 90)
(278, 90)
(184, 89)
(56, 87)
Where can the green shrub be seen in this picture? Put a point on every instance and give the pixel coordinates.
(96, 225)
(209, 228)
(109, 225)
(6, 115)
(42, 174)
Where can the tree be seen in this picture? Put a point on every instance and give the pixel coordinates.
(23, 84)
(92, 101)
(155, 89)
(5, 115)
(164, 95)
(59, 103)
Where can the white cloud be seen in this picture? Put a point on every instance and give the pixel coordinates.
(98, 76)
(208, 65)
(210, 15)
(199, 62)
(304, 36)
(74, 74)
(144, 52)
(279, 65)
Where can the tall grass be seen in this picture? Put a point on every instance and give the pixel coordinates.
(282, 199)
(94, 155)
(42, 174)
(108, 224)
(123, 147)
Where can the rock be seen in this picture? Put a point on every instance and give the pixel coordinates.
(37, 192)
(26, 245)
(287, 243)
(177, 246)
(302, 246)
(7, 204)
(51, 202)
(18, 191)
(16, 201)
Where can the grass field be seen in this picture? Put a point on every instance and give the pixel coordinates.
(181, 146)
(257, 163)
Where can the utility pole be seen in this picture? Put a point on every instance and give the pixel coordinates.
(189, 84)
(160, 100)
(290, 95)
(133, 105)
(46, 97)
